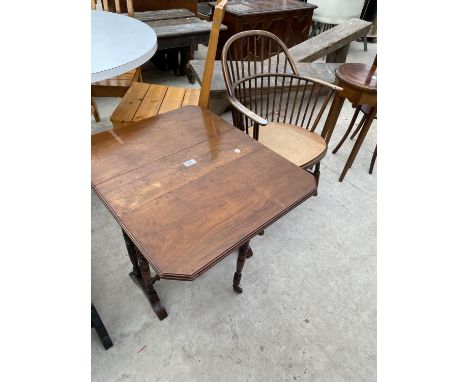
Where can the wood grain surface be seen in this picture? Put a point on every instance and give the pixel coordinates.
(184, 219)
(360, 76)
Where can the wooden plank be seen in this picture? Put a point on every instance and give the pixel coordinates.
(191, 28)
(191, 97)
(130, 103)
(173, 99)
(329, 41)
(151, 103)
(211, 55)
(164, 14)
(115, 154)
(153, 5)
(170, 22)
(167, 174)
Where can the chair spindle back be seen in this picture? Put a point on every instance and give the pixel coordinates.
(284, 98)
(118, 9)
(253, 52)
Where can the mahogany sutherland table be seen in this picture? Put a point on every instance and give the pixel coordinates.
(188, 188)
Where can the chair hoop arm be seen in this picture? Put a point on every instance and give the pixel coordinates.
(266, 74)
(248, 113)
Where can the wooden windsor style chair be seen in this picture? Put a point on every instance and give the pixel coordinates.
(119, 85)
(271, 102)
(145, 100)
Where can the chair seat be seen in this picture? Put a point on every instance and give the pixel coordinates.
(144, 100)
(294, 143)
(115, 86)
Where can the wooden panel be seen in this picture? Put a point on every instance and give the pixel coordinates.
(171, 22)
(151, 103)
(164, 14)
(155, 5)
(167, 174)
(184, 219)
(115, 86)
(130, 103)
(191, 97)
(180, 27)
(173, 99)
(330, 41)
(116, 154)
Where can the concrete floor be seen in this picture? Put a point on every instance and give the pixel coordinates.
(308, 311)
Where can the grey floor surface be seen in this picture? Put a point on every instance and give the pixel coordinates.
(308, 311)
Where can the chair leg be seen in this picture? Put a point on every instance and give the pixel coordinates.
(94, 110)
(358, 127)
(374, 156)
(140, 76)
(101, 330)
(244, 252)
(365, 128)
(364, 39)
(317, 176)
(350, 127)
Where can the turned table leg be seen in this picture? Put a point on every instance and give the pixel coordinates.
(244, 252)
(141, 276)
(147, 287)
(132, 254)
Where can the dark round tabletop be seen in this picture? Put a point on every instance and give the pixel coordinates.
(361, 76)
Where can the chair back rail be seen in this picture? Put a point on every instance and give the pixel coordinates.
(252, 52)
(118, 8)
(211, 54)
(283, 97)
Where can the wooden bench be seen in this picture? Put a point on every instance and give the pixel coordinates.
(333, 43)
(178, 36)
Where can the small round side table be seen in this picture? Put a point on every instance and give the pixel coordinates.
(359, 83)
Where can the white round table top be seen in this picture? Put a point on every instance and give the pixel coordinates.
(118, 44)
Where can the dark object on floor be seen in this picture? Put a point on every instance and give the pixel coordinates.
(101, 330)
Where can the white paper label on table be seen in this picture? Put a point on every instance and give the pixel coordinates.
(190, 162)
